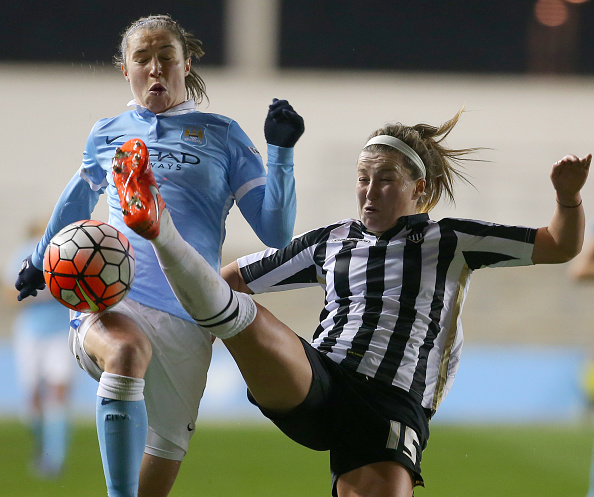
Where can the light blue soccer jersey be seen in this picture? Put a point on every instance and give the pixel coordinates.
(203, 163)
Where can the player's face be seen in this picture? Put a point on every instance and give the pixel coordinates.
(156, 69)
(385, 190)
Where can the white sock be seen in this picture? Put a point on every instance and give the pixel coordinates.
(199, 288)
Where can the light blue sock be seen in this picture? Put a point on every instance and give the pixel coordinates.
(122, 427)
(56, 432)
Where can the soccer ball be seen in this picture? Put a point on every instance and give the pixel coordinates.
(89, 266)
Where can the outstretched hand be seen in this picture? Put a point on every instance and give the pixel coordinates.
(29, 280)
(283, 126)
(569, 176)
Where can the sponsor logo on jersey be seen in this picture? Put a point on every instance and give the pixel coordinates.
(254, 151)
(194, 135)
(349, 240)
(172, 160)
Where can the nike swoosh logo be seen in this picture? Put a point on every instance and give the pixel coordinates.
(109, 140)
(190, 426)
(92, 306)
(155, 193)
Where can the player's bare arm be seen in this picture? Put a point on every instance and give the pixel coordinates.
(562, 240)
(232, 275)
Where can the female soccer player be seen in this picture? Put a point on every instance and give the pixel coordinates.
(147, 353)
(389, 340)
(44, 368)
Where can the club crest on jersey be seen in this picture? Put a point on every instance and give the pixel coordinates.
(415, 237)
(194, 135)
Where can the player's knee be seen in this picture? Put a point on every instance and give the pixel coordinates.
(239, 313)
(131, 355)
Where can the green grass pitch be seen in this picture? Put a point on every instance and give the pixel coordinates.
(258, 461)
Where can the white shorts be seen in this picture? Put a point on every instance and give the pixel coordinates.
(43, 360)
(174, 380)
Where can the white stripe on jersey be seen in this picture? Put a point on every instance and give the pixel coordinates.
(250, 185)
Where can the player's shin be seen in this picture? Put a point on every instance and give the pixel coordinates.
(122, 426)
(200, 289)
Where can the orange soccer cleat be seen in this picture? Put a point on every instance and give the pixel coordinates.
(139, 194)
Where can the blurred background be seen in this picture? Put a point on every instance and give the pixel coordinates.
(522, 69)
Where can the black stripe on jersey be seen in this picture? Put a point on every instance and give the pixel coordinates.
(447, 250)
(375, 279)
(411, 283)
(307, 275)
(475, 228)
(323, 315)
(342, 288)
(319, 260)
(477, 259)
(253, 271)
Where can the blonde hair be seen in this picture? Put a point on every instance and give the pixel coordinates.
(442, 163)
(192, 48)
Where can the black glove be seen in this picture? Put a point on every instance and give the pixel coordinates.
(283, 126)
(30, 280)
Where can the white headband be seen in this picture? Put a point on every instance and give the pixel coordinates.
(399, 145)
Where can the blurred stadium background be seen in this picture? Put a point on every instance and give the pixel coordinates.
(523, 70)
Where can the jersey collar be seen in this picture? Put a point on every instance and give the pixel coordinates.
(407, 222)
(183, 108)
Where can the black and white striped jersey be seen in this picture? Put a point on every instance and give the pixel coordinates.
(393, 302)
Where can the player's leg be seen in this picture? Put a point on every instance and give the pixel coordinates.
(251, 333)
(157, 476)
(57, 369)
(115, 344)
(206, 296)
(29, 355)
(35, 423)
(175, 382)
(376, 480)
(272, 361)
(55, 430)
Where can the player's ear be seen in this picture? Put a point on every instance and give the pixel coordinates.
(125, 73)
(419, 188)
(188, 66)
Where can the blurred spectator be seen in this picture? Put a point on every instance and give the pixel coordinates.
(44, 366)
(582, 269)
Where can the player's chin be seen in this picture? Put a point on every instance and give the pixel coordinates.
(371, 221)
(157, 103)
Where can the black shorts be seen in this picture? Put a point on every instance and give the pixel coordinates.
(358, 419)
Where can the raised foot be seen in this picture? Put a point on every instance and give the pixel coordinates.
(140, 199)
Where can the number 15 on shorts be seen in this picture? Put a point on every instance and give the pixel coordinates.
(410, 440)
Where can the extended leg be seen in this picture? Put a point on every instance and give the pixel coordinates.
(376, 480)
